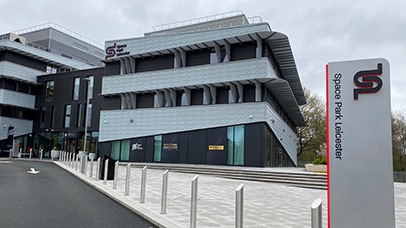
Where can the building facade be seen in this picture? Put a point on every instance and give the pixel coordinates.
(22, 62)
(223, 95)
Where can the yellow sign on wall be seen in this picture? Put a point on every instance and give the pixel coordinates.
(216, 147)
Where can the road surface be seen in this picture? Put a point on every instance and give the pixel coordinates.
(55, 198)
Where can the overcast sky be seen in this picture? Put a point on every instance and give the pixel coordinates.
(320, 31)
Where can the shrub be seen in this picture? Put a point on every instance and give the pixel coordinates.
(320, 161)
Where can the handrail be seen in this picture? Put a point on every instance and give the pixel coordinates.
(61, 29)
(197, 20)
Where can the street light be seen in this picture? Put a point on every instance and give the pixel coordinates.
(87, 112)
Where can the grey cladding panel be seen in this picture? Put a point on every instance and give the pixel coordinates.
(198, 75)
(115, 124)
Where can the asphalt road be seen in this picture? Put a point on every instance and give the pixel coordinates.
(55, 198)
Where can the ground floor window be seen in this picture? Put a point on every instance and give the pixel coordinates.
(125, 150)
(235, 145)
(157, 148)
(115, 150)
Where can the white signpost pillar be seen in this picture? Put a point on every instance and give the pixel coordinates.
(360, 169)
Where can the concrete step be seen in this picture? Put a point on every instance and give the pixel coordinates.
(303, 180)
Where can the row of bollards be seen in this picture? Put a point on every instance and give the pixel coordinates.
(69, 160)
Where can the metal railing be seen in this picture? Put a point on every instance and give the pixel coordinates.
(61, 29)
(197, 20)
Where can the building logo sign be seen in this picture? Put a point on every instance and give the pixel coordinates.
(116, 50)
(136, 146)
(368, 79)
(359, 140)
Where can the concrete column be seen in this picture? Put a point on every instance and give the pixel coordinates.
(183, 57)
(217, 48)
(123, 101)
(258, 91)
(123, 69)
(128, 100)
(207, 94)
(168, 98)
(240, 92)
(133, 100)
(228, 50)
(177, 58)
(233, 89)
(133, 64)
(127, 65)
(173, 96)
(213, 91)
(259, 46)
(160, 97)
(188, 96)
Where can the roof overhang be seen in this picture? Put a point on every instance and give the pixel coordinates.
(43, 56)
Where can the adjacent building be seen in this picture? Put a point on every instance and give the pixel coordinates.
(23, 61)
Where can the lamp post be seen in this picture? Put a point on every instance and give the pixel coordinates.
(86, 113)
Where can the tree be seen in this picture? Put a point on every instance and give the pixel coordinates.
(399, 140)
(312, 137)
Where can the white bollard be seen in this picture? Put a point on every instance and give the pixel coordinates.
(239, 206)
(115, 175)
(41, 151)
(77, 162)
(85, 169)
(127, 180)
(143, 184)
(193, 203)
(316, 208)
(164, 192)
(106, 170)
(20, 154)
(91, 167)
(98, 169)
(30, 153)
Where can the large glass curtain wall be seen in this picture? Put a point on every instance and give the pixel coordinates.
(276, 155)
(235, 145)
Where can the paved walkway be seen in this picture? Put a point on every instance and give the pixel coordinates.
(265, 204)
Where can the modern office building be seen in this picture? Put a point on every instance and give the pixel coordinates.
(219, 90)
(23, 59)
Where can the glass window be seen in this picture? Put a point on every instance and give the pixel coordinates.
(42, 117)
(157, 148)
(235, 145)
(53, 117)
(239, 145)
(91, 87)
(76, 86)
(67, 115)
(49, 91)
(79, 116)
(89, 115)
(115, 150)
(230, 146)
(125, 150)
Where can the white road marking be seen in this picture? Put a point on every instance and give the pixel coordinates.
(33, 171)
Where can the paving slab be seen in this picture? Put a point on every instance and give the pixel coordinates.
(265, 204)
